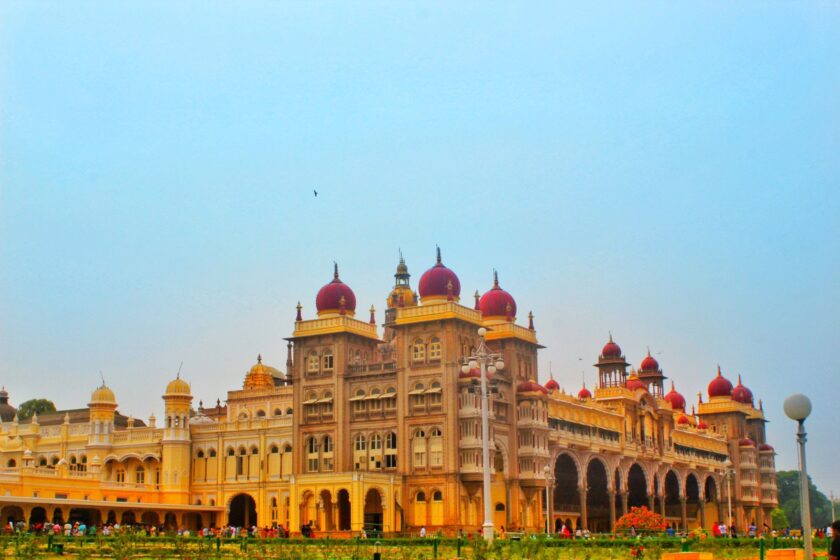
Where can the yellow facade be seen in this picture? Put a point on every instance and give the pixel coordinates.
(379, 428)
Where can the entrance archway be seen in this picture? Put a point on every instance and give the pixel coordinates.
(12, 514)
(343, 510)
(128, 518)
(673, 513)
(37, 517)
(692, 498)
(373, 511)
(170, 522)
(242, 511)
(193, 521)
(597, 497)
(566, 483)
(83, 515)
(150, 518)
(58, 516)
(325, 513)
(636, 487)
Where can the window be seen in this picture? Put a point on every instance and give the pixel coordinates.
(417, 398)
(11, 463)
(376, 451)
(434, 349)
(391, 450)
(375, 404)
(421, 497)
(327, 403)
(120, 476)
(436, 448)
(418, 448)
(278, 412)
(260, 414)
(231, 452)
(418, 351)
(437, 496)
(434, 392)
(327, 453)
(140, 475)
(328, 361)
(360, 443)
(360, 452)
(240, 462)
(200, 454)
(312, 362)
(359, 401)
(312, 455)
(274, 449)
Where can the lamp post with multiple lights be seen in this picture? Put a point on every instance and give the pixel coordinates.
(488, 362)
(798, 407)
(728, 473)
(548, 480)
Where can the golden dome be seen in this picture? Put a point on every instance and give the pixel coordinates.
(259, 376)
(401, 296)
(178, 387)
(103, 395)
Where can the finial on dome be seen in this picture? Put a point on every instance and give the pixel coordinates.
(402, 260)
(495, 278)
(299, 316)
(719, 374)
(610, 335)
(177, 375)
(692, 411)
(259, 358)
(739, 379)
(531, 320)
(648, 349)
(699, 396)
(335, 270)
(437, 248)
(372, 315)
(760, 405)
(672, 384)
(476, 300)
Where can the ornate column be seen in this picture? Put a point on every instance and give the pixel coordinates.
(702, 513)
(624, 496)
(612, 509)
(584, 514)
(661, 505)
(684, 513)
(650, 502)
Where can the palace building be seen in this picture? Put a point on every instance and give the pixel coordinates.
(378, 426)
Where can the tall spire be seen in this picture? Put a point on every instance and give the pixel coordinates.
(437, 247)
(335, 272)
(531, 320)
(477, 297)
(299, 316)
(495, 278)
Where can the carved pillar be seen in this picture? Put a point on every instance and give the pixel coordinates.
(702, 514)
(612, 510)
(650, 502)
(683, 513)
(584, 514)
(661, 505)
(624, 496)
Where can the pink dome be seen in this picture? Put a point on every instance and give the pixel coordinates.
(611, 349)
(439, 281)
(765, 447)
(531, 386)
(701, 425)
(746, 442)
(649, 364)
(720, 386)
(676, 400)
(336, 297)
(634, 383)
(683, 420)
(584, 393)
(552, 385)
(742, 394)
(496, 302)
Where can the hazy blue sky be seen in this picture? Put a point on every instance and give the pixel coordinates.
(665, 170)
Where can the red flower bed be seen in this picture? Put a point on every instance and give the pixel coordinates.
(642, 520)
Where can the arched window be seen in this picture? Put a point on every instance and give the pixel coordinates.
(418, 351)
(260, 414)
(328, 444)
(434, 349)
(312, 460)
(200, 454)
(211, 453)
(437, 496)
(254, 450)
(42, 462)
(418, 448)
(312, 445)
(11, 463)
(278, 412)
(140, 475)
(360, 444)
(288, 412)
(375, 442)
(230, 452)
(375, 403)
(436, 448)
(327, 454)
(328, 361)
(327, 402)
(421, 496)
(434, 393)
(312, 362)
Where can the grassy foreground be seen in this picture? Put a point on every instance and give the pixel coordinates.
(133, 547)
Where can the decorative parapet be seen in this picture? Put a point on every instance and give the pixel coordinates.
(330, 325)
(437, 311)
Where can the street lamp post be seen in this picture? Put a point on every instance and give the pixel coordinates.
(798, 407)
(488, 362)
(548, 481)
(729, 472)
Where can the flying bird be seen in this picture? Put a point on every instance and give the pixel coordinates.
(314, 191)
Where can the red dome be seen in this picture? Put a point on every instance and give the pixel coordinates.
(702, 425)
(683, 419)
(634, 383)
(676, 400)
(649, 363)
(329, 298)
(611, 349)
(741, 394)
(552, 385)
(584, 393)
(497, 302)
(720, 386)
(439, 281)
(746, 442)
(531, 387)
(765, 447)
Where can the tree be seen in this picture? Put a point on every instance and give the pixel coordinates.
(30, 407)
(779, 519)
(788, 483)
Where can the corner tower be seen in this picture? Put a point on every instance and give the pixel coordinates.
(175, 453)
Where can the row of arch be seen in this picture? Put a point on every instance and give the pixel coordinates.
(598, 494)
(245, 414)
